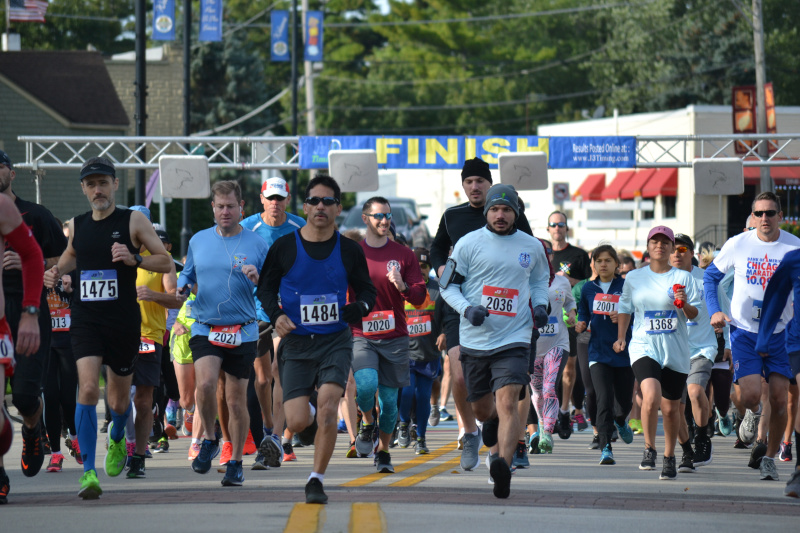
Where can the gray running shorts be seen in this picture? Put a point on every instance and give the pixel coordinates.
(388, 356)
(308, 361)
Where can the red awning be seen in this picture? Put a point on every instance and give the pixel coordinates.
(634, 187)
(780, 175)
(591, 187)
(663, 183)
(612, 191)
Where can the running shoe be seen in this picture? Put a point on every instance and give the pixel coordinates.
(403, 437)
(272, 450)
(595, 444)
(725, 423)
(259, 463)
(288, 452)
(351, 451)
(234, 474)
(615, 435)
(45, 441)
(383, 462)
(136, 469)
(792, 486)
(533, 444)
(786, 451)
(433, 419)
(668, 471)
(147, 453)
(758, 452)
(687, 465)
(741, 445)
(5, 486)
(162, 446)
(768, 470)
(606, 456)
(421, 446)
(648, 460)
(56, 462)
(364, 442)
(625, 432)
(748, 430)
(32, 450)
(6, 432)
(249, 444)
(460, 440)
(296, 442)
(306, 437)
(226, 453)
(194, 450)
(580, 422)
(520, 459)
(116, 455)
(489, 432)
(444, 416)
(711, 425)
(90, 487)
(188, 422)
(171, 431)
(488, 462)
(104, 427)
(636, 426)
(172, 413)
(75, 450)
(501, 475)
(314, 491)
(703, 451)
(545, 442)
(564, 429)
(208, 451)
(341, 427)
(470, 455)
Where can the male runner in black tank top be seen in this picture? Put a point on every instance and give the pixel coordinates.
(103, 246)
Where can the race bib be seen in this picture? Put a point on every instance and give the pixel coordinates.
(7, 350)
(419, 326)
(60, 319)
(146, 346)
(319, 309)
(98, 285)
(378, 322)
(660, 322)
(500, 301)
(604, 304)
(225, 336)
(551, 328)
(757, 310)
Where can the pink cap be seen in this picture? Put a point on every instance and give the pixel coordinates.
(663, 230)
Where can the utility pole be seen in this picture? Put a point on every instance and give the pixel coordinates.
(186, 229)
(761, 108)
(141, 94)
(311, 118)
(295, 53)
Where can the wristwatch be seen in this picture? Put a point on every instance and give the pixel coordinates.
(138, 259)
(31, 310)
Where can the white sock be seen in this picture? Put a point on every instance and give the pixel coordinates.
(563, 412)
(320, 477)
(313, 409)
(474, 433)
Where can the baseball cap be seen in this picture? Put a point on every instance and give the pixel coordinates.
(275, 186)
(164, 236)
(685, 240)
(5, 160)
(423, 255)
(663, 230)
(98, 165)
(142, 209)
(501, 194)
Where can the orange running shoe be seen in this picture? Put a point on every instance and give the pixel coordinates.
(250, 445)
(194, 450)
(56, 461)
(171, 431)
(288, 453)
(227, 453)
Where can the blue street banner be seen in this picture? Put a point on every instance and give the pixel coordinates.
(163, 20)
(419, 152)
(313, 50)
(592, 152)
(210, 20)
(279, 47)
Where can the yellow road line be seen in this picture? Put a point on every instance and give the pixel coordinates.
(305, 518)
(419, 460)
(427, 474)
(367, 518)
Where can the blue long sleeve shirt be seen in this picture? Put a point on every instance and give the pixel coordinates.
(780, 286)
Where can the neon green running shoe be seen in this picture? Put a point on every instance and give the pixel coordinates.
(90, 487)
(545, 442)
(116, 456)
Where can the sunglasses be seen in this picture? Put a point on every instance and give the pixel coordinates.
(275, 198)
(327, 200)
(682, 249)
(557, 224)
(770, 213)
(751, 228)
(381, 216)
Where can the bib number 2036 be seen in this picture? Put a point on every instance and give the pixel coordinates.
(500, 301)
(99, 285)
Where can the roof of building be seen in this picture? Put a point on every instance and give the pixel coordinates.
(74, 84)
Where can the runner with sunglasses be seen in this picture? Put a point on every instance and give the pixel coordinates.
(661, 298)
(754, 256)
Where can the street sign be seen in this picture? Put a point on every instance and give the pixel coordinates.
(354, 170)
(724, 176)
(524, 171)
(560, 192)
(184, 176)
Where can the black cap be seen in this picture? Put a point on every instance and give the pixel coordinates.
(476, 167)
(164, 236)
(98, 165)
(5, 160)
(423, 255)
(680, 238)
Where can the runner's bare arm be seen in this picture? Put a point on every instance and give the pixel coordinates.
(143, 233)
(66, 263)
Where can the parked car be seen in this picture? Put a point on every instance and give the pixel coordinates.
(415, 232)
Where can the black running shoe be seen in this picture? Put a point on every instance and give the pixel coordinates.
(307, 435)
(5, 486)
(702, 452)
(758, 453)
(501, 475)
(136, 469)
(314, 492)
(32, 450)
(648, 460)
(668, 470)
(383, 462)
(595, 445)
(687, 463)
(564, 426)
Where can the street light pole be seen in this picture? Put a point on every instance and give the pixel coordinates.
(761, 108)
(186, 229)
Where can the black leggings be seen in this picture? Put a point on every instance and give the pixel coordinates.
(582, 345)
(721, 379)
(610, 384)
(60, 393)
(168, 387)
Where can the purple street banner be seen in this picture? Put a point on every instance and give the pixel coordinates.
(163, 20)
(210, 20)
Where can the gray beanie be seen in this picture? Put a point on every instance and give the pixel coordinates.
(501, 194)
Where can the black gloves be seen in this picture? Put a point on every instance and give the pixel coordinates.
(352, 313)
(540, 317)
(476, 314)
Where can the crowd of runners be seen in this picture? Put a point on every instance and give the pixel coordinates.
(277, 332)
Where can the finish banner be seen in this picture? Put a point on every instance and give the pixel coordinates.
(450, 152)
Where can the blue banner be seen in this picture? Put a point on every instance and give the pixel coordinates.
(313, 36)
(210, 20)
(592, 152)
(279, 47)
(163, 20)
(420, 151)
